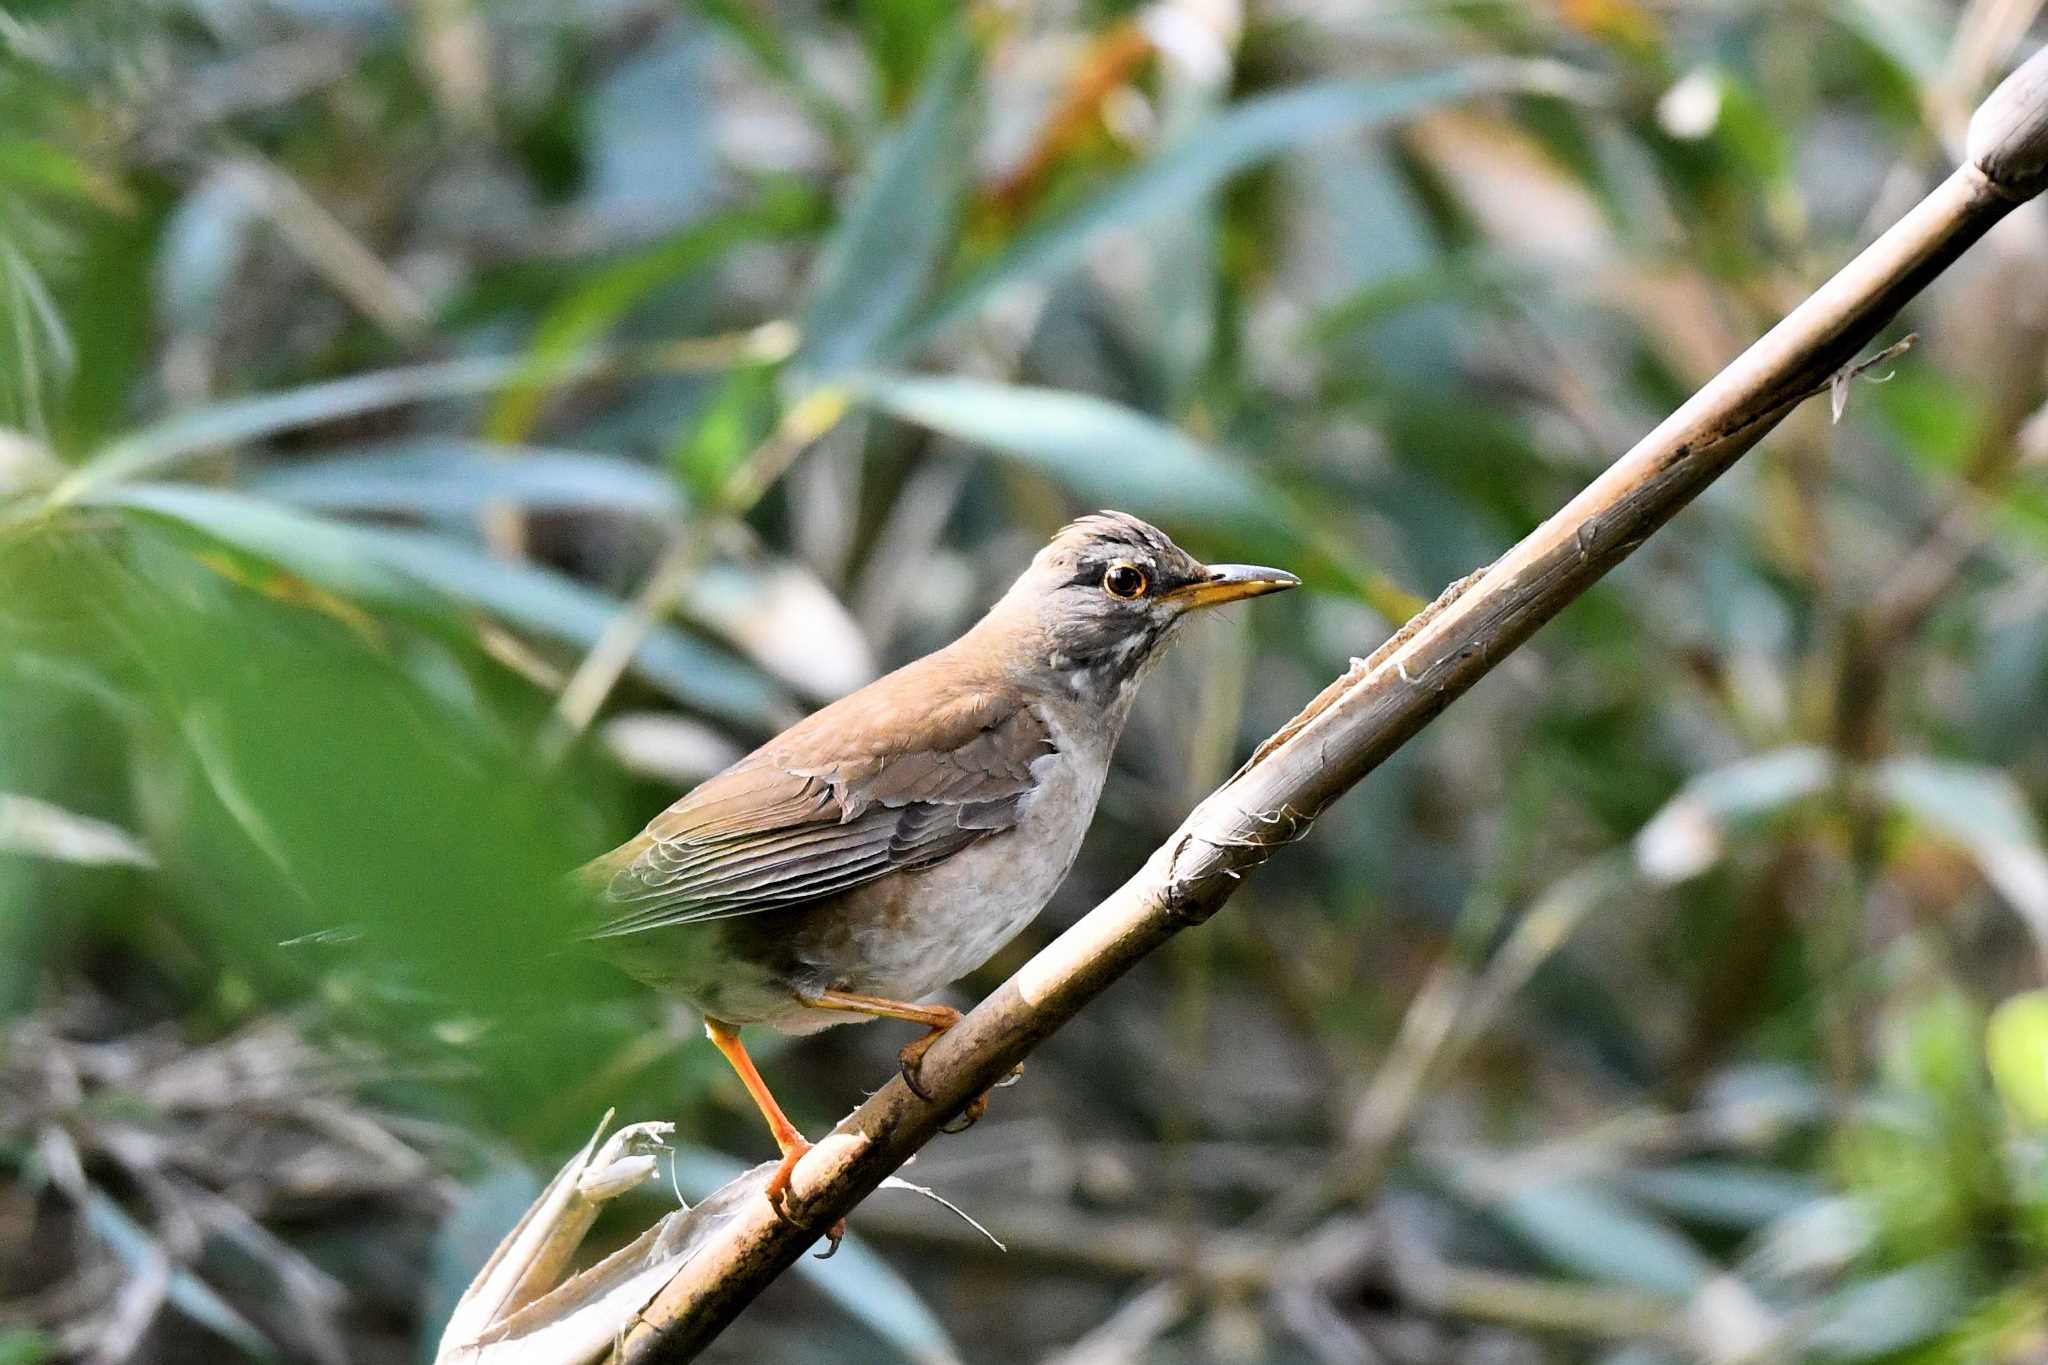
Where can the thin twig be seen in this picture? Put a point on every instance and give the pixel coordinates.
(376, 291)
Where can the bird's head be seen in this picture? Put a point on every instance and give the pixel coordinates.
(1099, 601)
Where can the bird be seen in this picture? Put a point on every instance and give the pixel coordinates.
(893, 841)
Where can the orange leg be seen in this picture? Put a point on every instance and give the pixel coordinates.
(788, 1140)
(726, 1039)
(937, 1018)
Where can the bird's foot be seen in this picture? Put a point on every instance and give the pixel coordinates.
(909, 1060)
(913, 1053)
(974, 1112)
(834, 1235)
(967, 1117)
(777, 1190)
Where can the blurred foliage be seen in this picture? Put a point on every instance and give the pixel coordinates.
(365, 366)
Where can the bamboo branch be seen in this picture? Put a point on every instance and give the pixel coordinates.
(1362, 717)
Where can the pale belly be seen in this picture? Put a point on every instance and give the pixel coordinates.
(902, 937)
(917, 932)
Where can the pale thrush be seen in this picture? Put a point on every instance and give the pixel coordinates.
(892, 842)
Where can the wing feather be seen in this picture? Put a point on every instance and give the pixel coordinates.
(781, 828)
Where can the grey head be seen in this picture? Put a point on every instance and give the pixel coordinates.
(1099, 603)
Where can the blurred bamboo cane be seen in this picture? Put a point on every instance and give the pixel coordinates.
(1362, 717)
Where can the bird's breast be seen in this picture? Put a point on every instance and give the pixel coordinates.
(908, 935)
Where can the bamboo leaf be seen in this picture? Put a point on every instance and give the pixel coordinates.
(1735, 1195)
(1879, 1317)
(1984, 811)
(880, 259)
(154, 448)
(157, 447)
(1691, 832)
(651, 162)
(451, 477)
(409, 568)
(1105, 452)
(42, 829)
(1234, 141)
(189, 1294)
(593, 308)
(1595, 1233)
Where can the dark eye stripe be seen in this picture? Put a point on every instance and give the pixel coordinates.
(1088, 574)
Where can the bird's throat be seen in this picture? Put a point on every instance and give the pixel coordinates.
(1108, 677)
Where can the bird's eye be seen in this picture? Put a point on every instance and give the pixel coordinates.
(1124, 581)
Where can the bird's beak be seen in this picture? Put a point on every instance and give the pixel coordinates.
(1229, 582)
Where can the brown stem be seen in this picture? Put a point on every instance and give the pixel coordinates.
(1113, 59)
(1363, 717)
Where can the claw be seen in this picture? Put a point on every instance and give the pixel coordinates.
(908, 1059)
(976, 1111)
(777, 1188)
(969, 1116)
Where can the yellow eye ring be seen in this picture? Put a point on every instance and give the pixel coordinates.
(1124, 581)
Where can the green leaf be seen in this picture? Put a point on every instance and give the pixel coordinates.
(649, 158)
(26, 1346)
(35, 828)
(1878, 1317)
(881, 257)
(186, 1292)
(109, 327)
(1728, 1194)
(592, 309)
(1460, 279)
(736, 420)
(30, 165)
(1402, 316)
(451, 477)
(1913, 34)
(900, 36)
(200, 253)
(1596, 1234)
(157, 447)
(550, 604)
(2016, 1049)
(154, 449)
(766, 41)
(406, 568)
(1691, 832)
(1984, 811)
(44, 356)
(1247, 134)
(1105, 452)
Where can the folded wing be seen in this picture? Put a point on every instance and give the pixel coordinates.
(785, 827)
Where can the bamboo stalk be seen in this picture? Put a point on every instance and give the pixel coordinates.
(1375, 707)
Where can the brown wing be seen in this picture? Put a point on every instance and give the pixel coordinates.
(825, 808)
